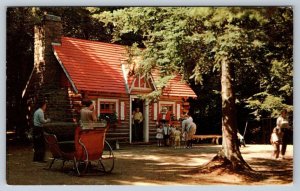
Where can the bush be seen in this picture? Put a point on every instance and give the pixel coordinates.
(110, 117)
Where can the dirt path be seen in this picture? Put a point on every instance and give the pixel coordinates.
(150, 165)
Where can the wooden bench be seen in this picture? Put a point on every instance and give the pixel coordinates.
(214, 138)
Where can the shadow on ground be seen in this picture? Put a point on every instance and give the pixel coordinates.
(146, 165)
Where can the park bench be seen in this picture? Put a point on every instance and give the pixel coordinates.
(214, 138)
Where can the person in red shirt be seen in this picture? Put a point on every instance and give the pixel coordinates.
(164, 119)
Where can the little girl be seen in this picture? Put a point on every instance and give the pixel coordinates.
(275, 141)
(159, 135)
(177, 135)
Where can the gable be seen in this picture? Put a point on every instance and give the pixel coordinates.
(141, 83)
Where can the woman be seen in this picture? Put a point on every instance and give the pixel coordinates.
(87, 114)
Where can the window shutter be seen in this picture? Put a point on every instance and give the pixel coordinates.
(178, 111)
(155, 111)
(122, 110)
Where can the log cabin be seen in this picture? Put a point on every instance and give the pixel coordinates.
(68, 70)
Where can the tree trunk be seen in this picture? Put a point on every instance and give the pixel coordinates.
(230, 151)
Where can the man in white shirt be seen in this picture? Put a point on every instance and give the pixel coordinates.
(283, 125)
(138, 125)
(186, 123)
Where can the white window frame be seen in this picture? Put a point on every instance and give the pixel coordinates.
(109, 100)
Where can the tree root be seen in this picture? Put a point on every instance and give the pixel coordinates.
(220, 165)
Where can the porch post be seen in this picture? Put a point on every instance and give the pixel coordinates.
(130, 119)
(146, 121)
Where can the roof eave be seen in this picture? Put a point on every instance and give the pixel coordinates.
(27, 84)
(65, 71)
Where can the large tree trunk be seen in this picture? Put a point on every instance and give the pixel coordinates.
(229, 157)
(230, 147)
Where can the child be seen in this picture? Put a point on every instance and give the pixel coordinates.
(166, 134)
(159, 135)
(177, 140)
(172, 135)
(275, 141)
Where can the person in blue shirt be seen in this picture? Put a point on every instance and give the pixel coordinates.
(39, 146)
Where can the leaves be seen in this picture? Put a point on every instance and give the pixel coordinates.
(266, 103)
(193, 41)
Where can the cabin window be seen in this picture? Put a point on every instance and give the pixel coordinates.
(108, 106)
(168, 104)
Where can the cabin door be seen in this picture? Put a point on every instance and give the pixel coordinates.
(139, 132)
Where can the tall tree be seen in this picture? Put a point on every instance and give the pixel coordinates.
(19, 59)
(275, 79)
(195, 42)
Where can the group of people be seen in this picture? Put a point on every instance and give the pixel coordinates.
(170, 135)
(166, 134)
(279, 136)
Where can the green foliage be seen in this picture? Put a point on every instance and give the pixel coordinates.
(193, 41)
(186, 40)
(266, 104)
(160, 84)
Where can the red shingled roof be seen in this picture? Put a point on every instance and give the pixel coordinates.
(92, 65)
(96, 66)
(175, 86)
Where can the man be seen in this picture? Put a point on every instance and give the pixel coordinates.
(87, 114)
(138, 128)
(39, 146)
(186, 123)
(164, 116)
(283, 126)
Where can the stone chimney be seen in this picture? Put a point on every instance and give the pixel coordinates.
(47, 75)
(45, 34)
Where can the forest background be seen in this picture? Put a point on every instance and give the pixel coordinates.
(263, 58)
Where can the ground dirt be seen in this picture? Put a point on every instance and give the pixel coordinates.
(152, 165)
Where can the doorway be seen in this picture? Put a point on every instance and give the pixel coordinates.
(137, 127)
